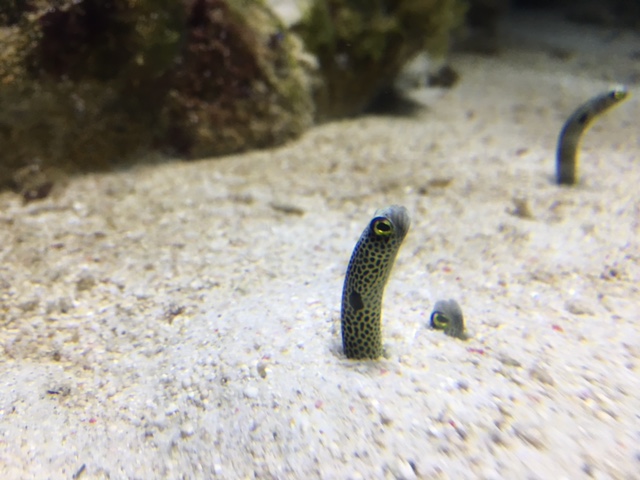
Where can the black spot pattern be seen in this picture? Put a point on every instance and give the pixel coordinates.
(355, 301)
(367, 275)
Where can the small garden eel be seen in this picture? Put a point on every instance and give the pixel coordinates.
(447, 316)
(367, 275)
(576, 125)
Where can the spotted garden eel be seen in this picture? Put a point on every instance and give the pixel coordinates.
(367, 275)
(575, 126)
(447, 316)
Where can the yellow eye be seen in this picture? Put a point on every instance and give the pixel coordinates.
(439, 321)
(619, 94)
(381, 227)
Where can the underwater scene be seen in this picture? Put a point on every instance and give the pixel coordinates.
(333, 239)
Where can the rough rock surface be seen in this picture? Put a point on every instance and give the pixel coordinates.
(362, 46)
(86, 84)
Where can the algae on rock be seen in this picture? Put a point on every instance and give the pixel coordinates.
(258, 96)
(87, 84)
(363, 45)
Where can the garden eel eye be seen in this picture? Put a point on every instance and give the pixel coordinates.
(619, 93)
(439, 321)
(382, 227)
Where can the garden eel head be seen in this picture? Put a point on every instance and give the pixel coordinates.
(619, 93)
(367, 274)
(447, 316)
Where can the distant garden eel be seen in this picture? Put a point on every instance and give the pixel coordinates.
(367, 274)
(447, 316)
(576, 125)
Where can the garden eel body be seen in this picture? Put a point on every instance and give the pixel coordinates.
(447, 316)
(367, 274)
(575, 126)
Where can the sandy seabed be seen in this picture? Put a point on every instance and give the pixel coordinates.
(182, 320)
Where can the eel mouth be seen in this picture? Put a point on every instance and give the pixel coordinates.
(398, 215)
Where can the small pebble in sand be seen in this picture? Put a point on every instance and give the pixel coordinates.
(521, 208)
(187, 430)
(462, 384)
(250, 392)
(385, 414)
(541, 374)
(531, 435)
(577, 307)
(287, 208)
(401, 469)
(263, 369)
(509, 361)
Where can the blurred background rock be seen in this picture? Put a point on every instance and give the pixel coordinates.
(93, 84)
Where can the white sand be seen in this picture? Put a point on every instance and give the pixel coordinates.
(169, 322)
